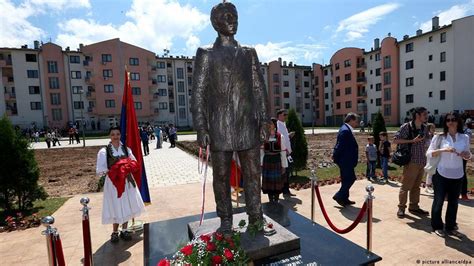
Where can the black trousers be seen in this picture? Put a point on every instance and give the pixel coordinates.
(146, 149)
(464, 179)
(445, 186)
(251, 174)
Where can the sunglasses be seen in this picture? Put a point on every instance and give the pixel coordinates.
(451, 120)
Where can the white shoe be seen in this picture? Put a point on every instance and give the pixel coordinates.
(429, 190)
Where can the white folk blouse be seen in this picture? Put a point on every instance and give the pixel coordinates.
(450, 164)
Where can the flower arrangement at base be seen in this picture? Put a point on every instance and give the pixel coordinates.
(210, 249)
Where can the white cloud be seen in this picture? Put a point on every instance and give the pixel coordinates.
(57, 5)
(356, 25)
(447, 16)
(289, 52)
(152, 24)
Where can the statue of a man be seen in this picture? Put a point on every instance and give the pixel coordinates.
(229, 106)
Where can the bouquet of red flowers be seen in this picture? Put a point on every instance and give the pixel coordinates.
(210, 249)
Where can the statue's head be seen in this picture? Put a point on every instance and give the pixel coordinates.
(224, 18)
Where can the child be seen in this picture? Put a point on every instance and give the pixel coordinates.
(385, 151)
(429, 178)
(371, 154)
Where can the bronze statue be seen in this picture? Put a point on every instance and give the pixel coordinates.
(229, 106)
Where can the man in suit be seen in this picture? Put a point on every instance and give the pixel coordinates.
(229, 106)
(346, 155)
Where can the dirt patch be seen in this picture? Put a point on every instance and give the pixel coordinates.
(67, 171)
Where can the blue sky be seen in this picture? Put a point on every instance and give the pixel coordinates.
(302, 31)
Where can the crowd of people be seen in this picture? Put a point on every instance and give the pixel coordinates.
(441, 158)
(160, 133)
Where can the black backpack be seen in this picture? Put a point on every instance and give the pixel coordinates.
(402, 155)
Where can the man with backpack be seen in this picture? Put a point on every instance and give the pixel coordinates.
(412, 136)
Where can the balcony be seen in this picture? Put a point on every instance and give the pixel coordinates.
(361, 79)
(361, 94)
(156, 110)
(89, 109)
(362, 65)
(85, 63)
(362, 107)
(88, 79)
(10, 96)
(89, 94)
(154, 82)
(156, 96)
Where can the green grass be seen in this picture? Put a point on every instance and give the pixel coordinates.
(186, 132)
(40, 207)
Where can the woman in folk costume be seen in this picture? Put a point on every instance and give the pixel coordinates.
(122, 199)
(274, 162)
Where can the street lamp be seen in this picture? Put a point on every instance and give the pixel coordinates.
(81, 91)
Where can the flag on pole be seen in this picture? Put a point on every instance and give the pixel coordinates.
(131, 138)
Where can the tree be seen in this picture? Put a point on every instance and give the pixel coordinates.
(19, 172)
(299, 145)
(378, 126)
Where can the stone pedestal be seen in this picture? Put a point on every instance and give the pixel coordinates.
(258, 247)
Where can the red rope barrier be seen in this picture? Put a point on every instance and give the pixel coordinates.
(59, 251)
(333, 227)
(86, 236)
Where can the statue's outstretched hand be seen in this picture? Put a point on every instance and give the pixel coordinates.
(203, 139)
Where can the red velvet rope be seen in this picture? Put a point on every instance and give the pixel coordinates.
(333, 227)
(59, 251)
(86, 236)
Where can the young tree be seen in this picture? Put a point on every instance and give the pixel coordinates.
(378, 126)
(298, 142)
(19, 172)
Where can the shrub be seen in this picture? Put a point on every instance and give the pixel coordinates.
(298, 142)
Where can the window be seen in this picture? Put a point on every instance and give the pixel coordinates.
(378, 87)
(35, 105)
(348, 104)
(387, 110)
(53, 82)
(190, 81)
(442, 95)
(306, 95)
(286, 95)
(106, 58)
(347, 77)
(138, 105)
(326, 107)
(306, 84)
(347, 63)
(276, 78)
(180, 73)
(371, 72)
(30, 58)
(277, 101)
(32, 74)
(161, 78)
(430, 94)
(109, 103)
(162, 106)
(108, 88)
(307, 106)
(443, 37)
(442, 76)
(387, 94)
(57, 114)
(180, 86)
(74, 59)
(377, 57)
(377, 72)
(430, 76)
(338, 79)
(161, 64)
(134, 76)
(55, 98)
(436, 111)
(336, 66)
(34, 90)
(387, 78)
(181, 100)
(326, 95)
(442, 57)
(409, 98)
(182, 113)
(338, 92)
(88, 74)
(430, 39)
(78, 105)
(378, 102)
(326, 84)
(338, 106)
(76, 89)
(408, 47)
(409, 64)
(91, 104)
(162, 92)
(325, 72)
(387, 62)
(52, 67)
(286, 106)
(348, 90)
(276, 89)
(136, 91)
(107, 73)
(430, 57)
(75, 74)
(409, 82)
(285, 72)
(286, 83)
(133, 61)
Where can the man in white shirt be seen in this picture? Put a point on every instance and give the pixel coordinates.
(281, 128)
